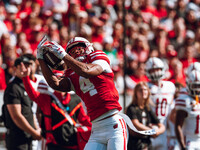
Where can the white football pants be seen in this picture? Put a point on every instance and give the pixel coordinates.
(108, 134)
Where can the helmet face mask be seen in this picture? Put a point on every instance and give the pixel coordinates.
(78, 51)
(78, 48)
(155, 74)
(155, 69)
(193, 83)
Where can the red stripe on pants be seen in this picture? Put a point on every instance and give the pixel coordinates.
(123, 133)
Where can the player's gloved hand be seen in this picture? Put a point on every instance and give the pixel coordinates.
(40, 48)
(57, 49)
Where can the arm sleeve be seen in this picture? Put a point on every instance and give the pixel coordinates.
(180, 104)
(104, 64)
(32, 93)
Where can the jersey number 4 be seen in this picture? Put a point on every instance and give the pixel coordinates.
(87, 86)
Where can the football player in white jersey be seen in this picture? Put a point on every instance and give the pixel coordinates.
(162, 95)
(172, 141)
(188, 114)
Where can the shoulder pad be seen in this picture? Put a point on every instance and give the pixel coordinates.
(98, 54)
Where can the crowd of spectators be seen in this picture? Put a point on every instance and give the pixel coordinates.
(168, 29)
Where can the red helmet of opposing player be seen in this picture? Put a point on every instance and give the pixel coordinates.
(79, 47)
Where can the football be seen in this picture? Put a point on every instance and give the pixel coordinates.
(53, 61)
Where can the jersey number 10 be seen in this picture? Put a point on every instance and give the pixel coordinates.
(162, 108)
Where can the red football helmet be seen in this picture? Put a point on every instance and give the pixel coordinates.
(79, 47)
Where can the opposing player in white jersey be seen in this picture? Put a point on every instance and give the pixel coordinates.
(187, 122)
(162, 94)
(172, 141)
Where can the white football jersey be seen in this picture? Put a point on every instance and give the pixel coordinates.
(38, 79)
(35, 83)
(183, 91)
(162, 97)
(191, 126)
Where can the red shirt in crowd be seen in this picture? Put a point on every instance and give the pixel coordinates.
(180, 79)
(147, 13)
(186, 63)
(139, 79)
(2, 79)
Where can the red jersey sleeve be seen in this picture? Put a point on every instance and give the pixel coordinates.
(98, 54)
(2, 79)
(32, 93)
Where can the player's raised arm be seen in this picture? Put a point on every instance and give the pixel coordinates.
(83, 69)
(62, 84)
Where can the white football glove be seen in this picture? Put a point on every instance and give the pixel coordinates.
(40, 48)
(57, 49)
